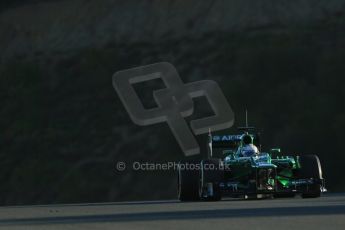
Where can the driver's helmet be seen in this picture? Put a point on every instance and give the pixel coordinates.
(247, 139)
(248, 148)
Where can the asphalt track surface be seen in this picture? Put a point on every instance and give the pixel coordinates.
(327, 212)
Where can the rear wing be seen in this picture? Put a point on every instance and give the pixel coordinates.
(221, 142)
(231, 141)
(226, 141)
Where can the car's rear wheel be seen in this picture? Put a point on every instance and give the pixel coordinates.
(311, 168)
(211, 175)
(188, 181)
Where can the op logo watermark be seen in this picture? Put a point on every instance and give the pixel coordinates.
(174, 103)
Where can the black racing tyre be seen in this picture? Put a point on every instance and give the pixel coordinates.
(188, 181)
(211, 171)
(311, 168)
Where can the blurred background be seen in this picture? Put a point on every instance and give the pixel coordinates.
(63, 127)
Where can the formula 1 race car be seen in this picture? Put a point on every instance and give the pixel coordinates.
(242, 170)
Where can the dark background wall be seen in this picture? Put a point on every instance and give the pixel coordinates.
(63, 127)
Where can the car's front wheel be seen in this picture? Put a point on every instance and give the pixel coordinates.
(311, 168)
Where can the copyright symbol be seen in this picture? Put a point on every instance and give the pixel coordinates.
(120, 166)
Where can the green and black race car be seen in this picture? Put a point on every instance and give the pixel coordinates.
(241, 170)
